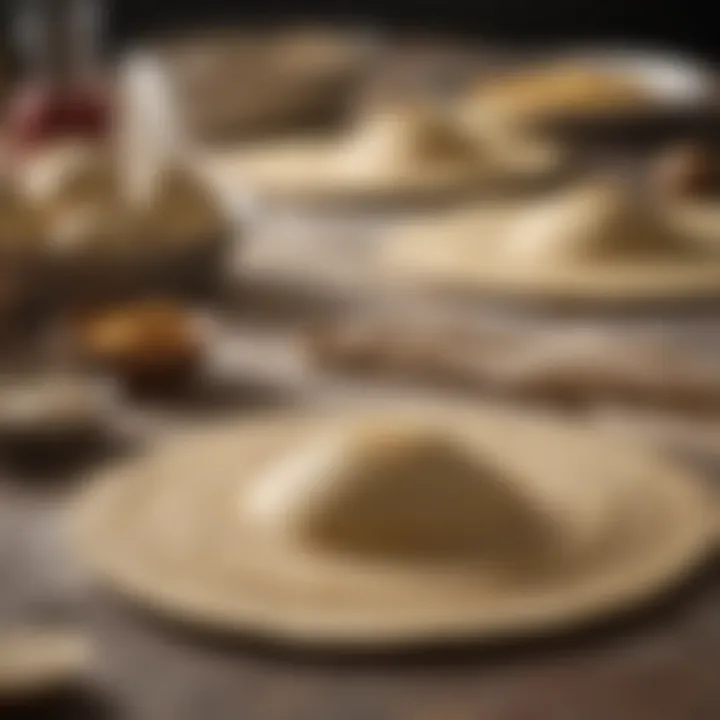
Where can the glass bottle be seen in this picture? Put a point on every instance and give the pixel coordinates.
(63, 91)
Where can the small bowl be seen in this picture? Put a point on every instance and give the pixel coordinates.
(146, 346)
(50, 414)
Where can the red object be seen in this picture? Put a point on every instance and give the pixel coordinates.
(63, 95)
(42, 113)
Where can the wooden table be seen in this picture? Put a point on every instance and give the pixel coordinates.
(662, 664)
(659, 665)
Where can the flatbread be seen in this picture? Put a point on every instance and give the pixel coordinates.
(592, 243)
(410, 155)
(383, 529)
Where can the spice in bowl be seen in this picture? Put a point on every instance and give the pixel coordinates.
(147, 346)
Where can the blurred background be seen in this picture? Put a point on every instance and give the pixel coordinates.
(682, 24)
(686, 25)
(208, 293)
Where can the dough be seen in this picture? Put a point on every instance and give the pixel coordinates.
(393, 138)
(395, 491)
(596, 223)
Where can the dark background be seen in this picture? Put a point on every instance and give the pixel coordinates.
(689, 25)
